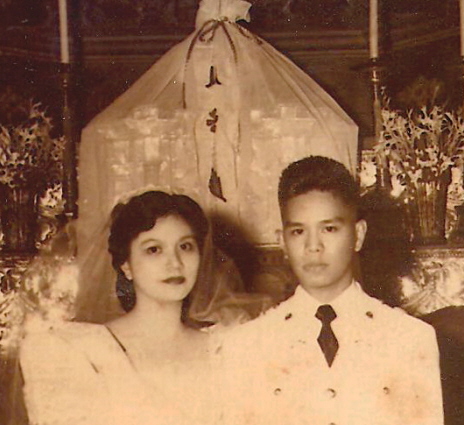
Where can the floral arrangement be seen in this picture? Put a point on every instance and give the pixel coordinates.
(420, 145)
(29, 155)
(44, 295)
(12, 313)
(419, 152)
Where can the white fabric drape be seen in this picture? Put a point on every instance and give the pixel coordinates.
(221, 105)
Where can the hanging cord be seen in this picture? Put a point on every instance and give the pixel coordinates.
(206, 34)
(247, 34)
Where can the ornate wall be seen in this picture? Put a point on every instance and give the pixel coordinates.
(117, 40)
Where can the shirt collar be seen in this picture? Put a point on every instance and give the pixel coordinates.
(344, 305)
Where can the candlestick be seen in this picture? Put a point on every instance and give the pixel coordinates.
(64, 36)
(383, 173)
(461, 26)
(69, 155)
(374, 29)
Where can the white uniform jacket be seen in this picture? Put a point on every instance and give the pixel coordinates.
(386, 371)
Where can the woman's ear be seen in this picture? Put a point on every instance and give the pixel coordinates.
(361, 229)
(127, 271)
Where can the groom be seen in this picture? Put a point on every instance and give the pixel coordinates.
(330, 354)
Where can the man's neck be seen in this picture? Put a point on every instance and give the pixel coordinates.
(328, 295)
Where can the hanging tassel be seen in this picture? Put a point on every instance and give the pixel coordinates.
(213, 78)
(212, 121)
(215, 186)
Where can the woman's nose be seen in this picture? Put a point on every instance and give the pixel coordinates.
(174, 260)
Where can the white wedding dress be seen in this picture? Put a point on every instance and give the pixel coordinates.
(79, 374)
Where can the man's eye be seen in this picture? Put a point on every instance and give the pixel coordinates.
(296, 232)
(330, 229)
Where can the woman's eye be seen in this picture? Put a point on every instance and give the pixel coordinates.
(153, 250)
(187, 246)
(296, 232)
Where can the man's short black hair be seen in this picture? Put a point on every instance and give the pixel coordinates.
(318, 173)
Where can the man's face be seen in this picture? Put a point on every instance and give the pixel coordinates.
(321, 235)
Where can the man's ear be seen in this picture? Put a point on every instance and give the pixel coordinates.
(361, 229)
(280, 240)
(126, 270)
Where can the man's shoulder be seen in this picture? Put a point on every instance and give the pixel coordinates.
(395, 319)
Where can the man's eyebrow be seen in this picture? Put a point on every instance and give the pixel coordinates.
(337, 219)
(292, 224)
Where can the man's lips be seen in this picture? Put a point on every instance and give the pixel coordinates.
(175, 280)
(314, 267)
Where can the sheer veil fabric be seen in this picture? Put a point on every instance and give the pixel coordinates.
(217, 298)
(219, 115)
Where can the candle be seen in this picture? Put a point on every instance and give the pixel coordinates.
(461, 27)
(64, 37)
(374, 29)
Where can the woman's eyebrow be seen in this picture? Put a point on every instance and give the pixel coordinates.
(149, 240)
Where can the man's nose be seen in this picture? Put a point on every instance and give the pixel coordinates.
(313, 242)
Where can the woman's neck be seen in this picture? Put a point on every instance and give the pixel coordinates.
(150, 319)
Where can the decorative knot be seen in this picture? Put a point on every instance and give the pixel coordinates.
(326, 314)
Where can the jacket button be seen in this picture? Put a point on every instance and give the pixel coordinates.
(386, 390)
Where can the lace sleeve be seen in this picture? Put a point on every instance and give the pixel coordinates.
(61, 386)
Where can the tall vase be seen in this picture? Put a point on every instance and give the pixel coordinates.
(428, 212)
(19, 219)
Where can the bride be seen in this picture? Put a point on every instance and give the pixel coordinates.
(151, 365)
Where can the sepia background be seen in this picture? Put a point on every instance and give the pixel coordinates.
(114, 42)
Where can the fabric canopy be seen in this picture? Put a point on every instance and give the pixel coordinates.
(218, 117)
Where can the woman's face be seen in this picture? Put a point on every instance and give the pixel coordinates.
(163, 261)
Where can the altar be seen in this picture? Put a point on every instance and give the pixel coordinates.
(436, 281)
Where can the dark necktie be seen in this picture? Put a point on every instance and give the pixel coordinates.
(326, 339)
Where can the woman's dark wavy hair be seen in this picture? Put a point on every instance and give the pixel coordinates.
(140, 214)
(318, 173)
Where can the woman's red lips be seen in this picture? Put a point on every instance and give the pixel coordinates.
(177, 280)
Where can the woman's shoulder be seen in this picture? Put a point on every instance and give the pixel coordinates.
(62, 380)
(60, 332)
(62, 342)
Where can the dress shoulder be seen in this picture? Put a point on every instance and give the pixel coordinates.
(62, 384)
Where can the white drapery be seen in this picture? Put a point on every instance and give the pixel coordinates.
(217, 117)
